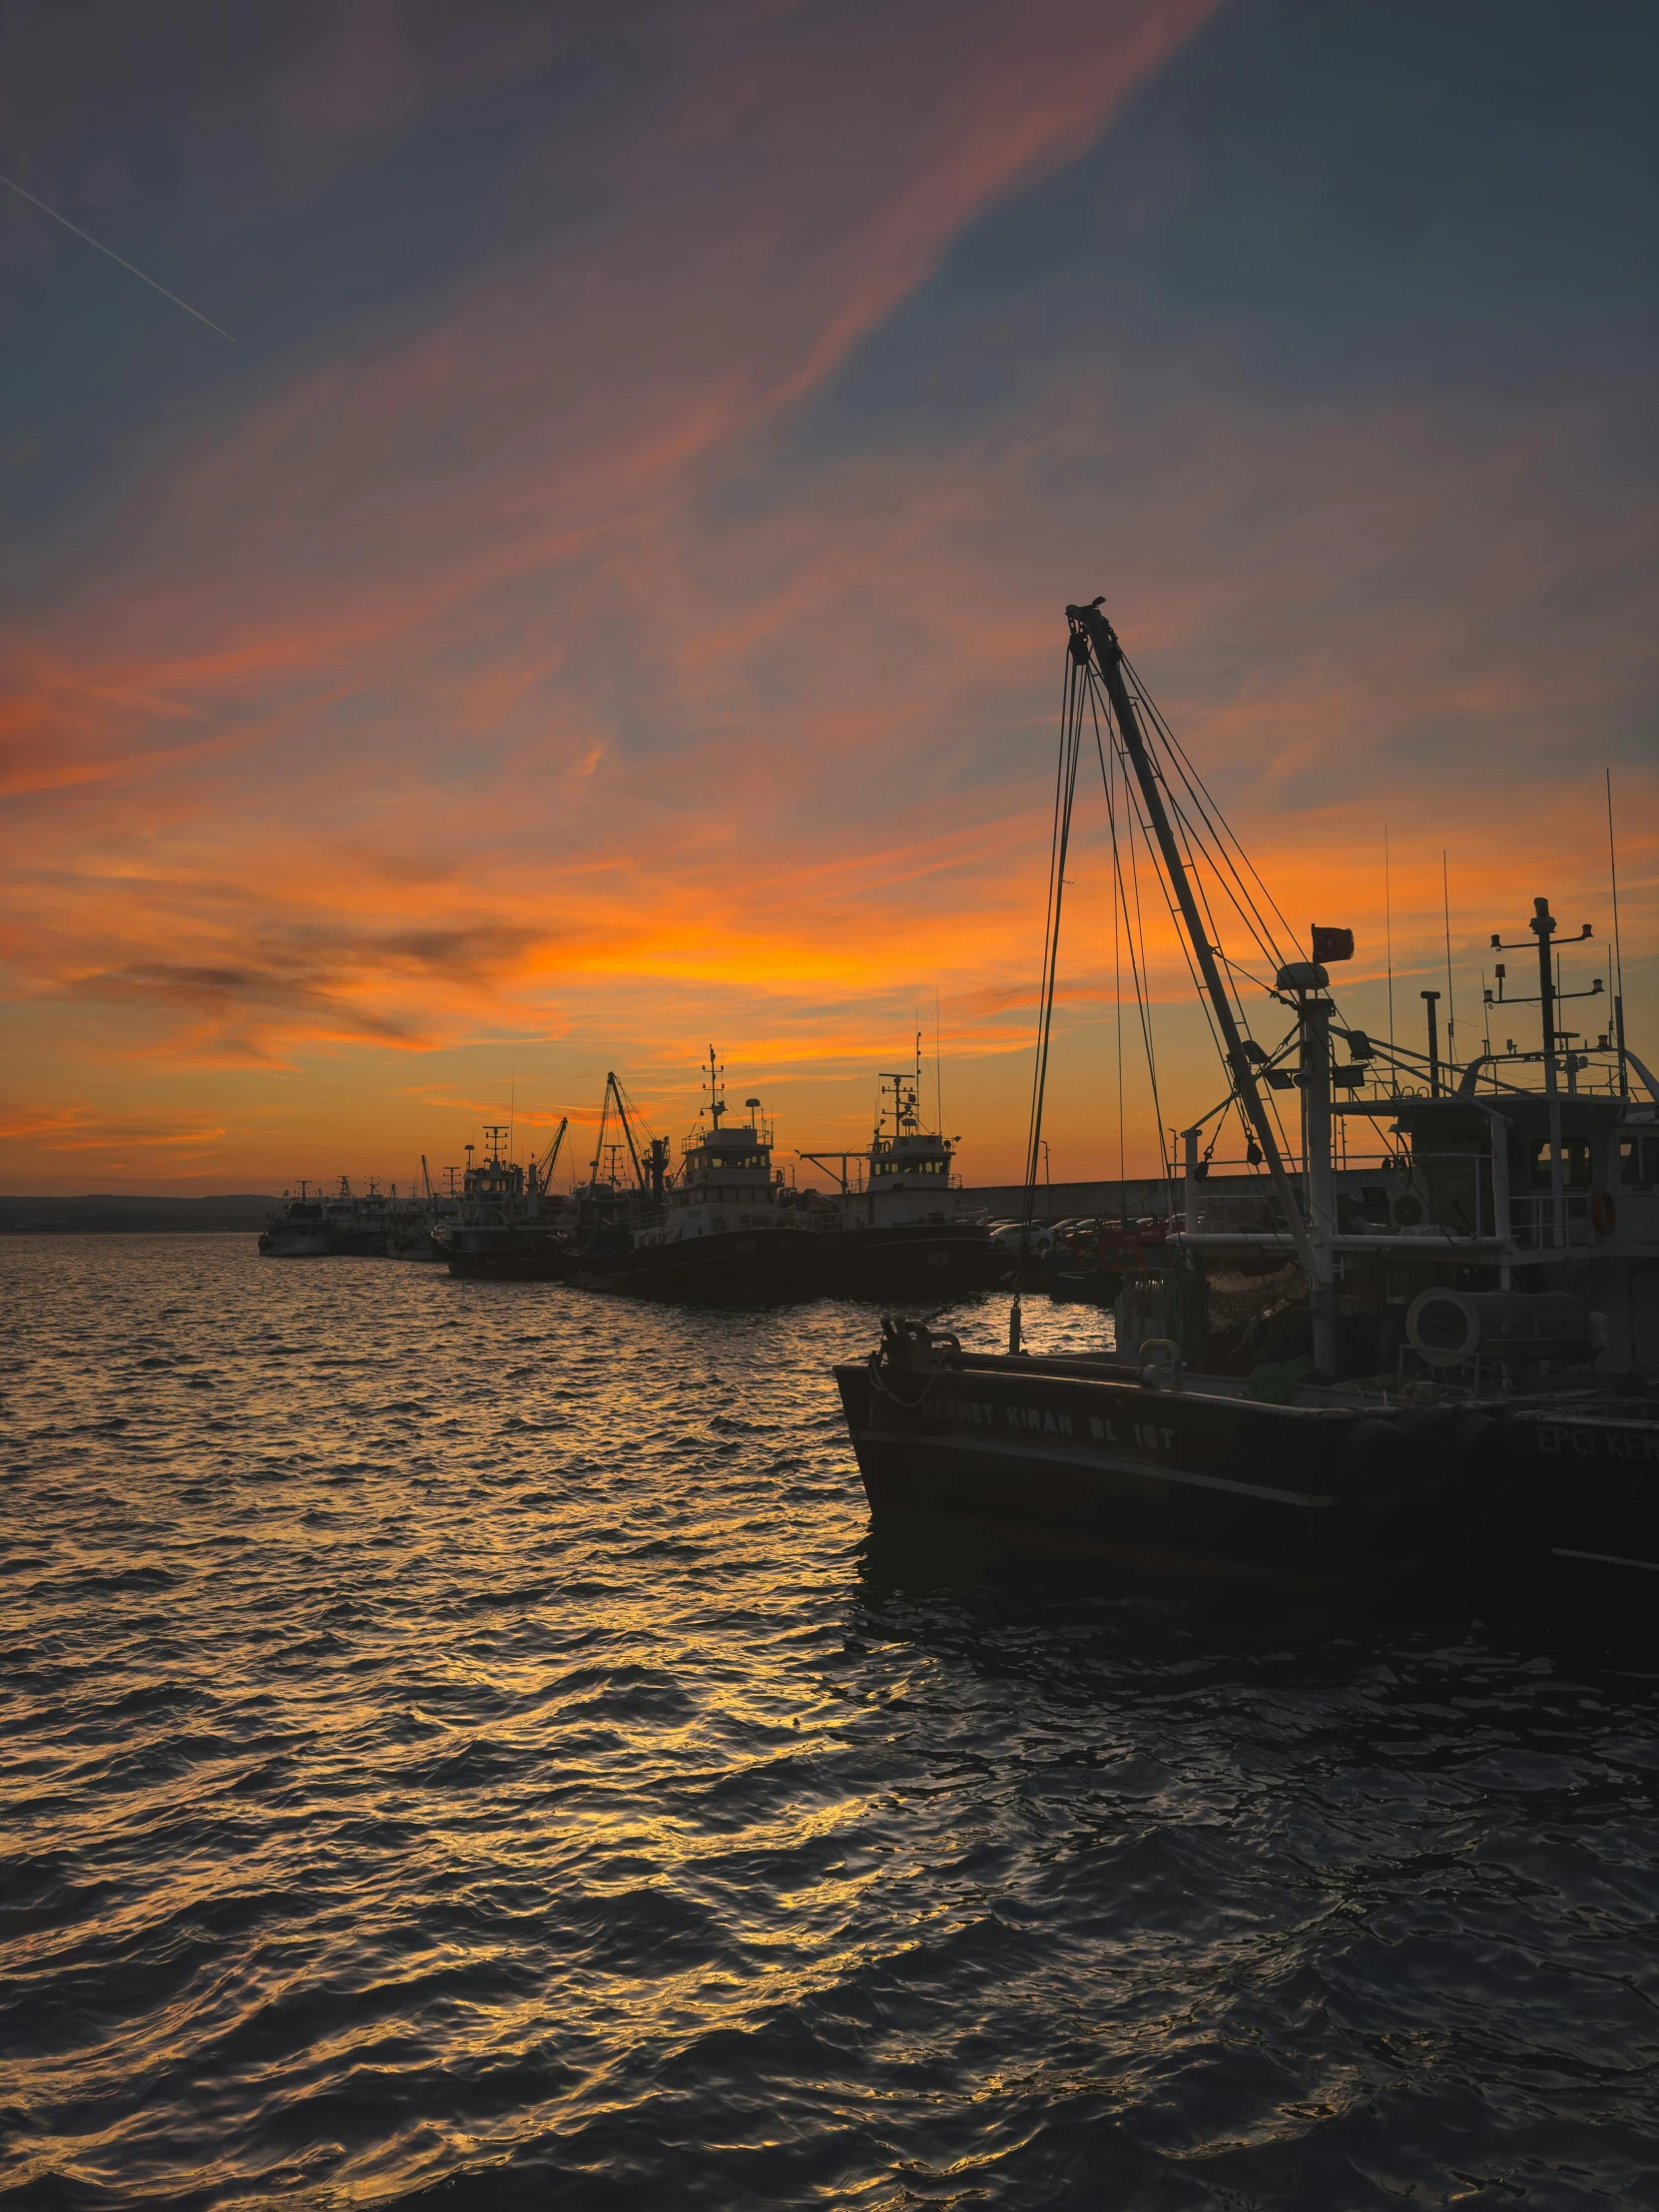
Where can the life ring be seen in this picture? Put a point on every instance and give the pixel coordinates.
(1604, 1212)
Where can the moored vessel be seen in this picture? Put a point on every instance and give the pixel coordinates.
(298, 1230)
(1431, 1350)
(505, 1225)
(311, 1225)
(710, 1233)
(902, 1235)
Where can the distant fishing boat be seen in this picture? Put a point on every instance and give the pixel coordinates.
(712, 1234)
(505, 1225)
(902, 1233)
(344, 1223)
(299, 1231)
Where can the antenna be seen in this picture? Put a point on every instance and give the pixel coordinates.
(717, 1104)
(1451, 1010)
(938, 1065)
(1618, 951)
(1388, 939)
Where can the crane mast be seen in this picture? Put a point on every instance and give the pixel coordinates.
(1092, 630)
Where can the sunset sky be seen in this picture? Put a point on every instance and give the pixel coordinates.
(609, 596)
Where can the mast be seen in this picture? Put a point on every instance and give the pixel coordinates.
(1315, 1258)
(615, 1090)
(1616, 979)
(717, 1104)
(1542, 926)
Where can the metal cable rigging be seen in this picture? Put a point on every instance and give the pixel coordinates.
(1218, 881)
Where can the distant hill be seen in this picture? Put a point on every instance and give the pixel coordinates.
(242, 1213)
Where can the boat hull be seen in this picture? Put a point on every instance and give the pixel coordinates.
(1576, 1515)
(296, 1244)
(1079, 1458)
(754, 1267)
(413, 1244)
(510, 1259)
(938, 1261)
(360, 1244)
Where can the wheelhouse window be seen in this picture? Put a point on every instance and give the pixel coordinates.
(1639, 1158)
(1575, 1164)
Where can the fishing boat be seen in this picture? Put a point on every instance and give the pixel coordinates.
(506, 1226)
(410, 1221)
(902, 1233)
(1432, 1351)
(340, 1223)
(298, 1230)
(711, 1234)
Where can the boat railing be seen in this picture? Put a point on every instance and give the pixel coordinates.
(1532, 1222)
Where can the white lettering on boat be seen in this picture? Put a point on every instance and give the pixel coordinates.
(1588, 1443)
(1033, 1417)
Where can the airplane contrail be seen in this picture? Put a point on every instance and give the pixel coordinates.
(14, 186)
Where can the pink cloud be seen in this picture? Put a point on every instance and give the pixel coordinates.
(442, 701)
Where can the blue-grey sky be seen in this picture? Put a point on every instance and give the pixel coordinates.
(610, 589)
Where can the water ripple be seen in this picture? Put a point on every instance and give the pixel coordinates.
(461, 1751)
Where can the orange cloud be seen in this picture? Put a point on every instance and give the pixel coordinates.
(490, 689)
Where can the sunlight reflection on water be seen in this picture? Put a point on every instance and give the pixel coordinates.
(458, 1746)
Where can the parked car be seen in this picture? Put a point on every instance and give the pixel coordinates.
(1036, 1237)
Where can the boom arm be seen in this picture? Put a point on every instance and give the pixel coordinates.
(1109, 660)
(625, 1118)
(549, 1160)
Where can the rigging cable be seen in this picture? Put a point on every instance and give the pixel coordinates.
(1137, 968)
(1193, 850)
(1201, 791)
(1065, 786)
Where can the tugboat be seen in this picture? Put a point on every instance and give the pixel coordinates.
(504, 1228)
(715, 1234)
(1450, 1362)
(901, 1234)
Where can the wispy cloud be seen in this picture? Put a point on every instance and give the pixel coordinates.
(534, 668)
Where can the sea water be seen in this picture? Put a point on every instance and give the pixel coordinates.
(461, 1749)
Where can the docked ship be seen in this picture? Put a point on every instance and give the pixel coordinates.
(410, 1221)
(711, 1234)
(298, 1230)
(902, 1235)
(506, 1225)
(1432, 1351)
(314, 1226)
